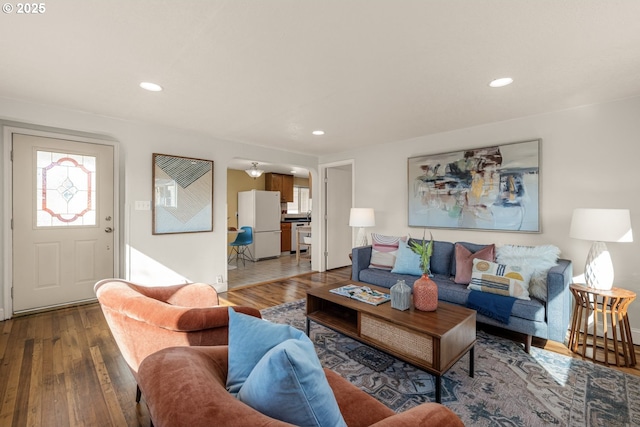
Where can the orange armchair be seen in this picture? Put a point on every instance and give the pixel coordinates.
(186, 387)
(145, 319)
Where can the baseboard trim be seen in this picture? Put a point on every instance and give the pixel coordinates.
(635, 334)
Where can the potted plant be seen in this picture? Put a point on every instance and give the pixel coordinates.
(425, 250)
(425, 290)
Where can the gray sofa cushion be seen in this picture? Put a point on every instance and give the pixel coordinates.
(451, 292)
(441, 257)
(385, 278)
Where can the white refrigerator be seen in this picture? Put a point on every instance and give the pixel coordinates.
(261, 210)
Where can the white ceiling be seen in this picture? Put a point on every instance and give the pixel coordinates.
(365, 71)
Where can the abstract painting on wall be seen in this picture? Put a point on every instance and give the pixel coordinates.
(490, 188)
(182, 195)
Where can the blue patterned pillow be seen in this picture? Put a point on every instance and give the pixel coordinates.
(407, 261)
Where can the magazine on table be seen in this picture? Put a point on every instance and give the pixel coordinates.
(362, 293)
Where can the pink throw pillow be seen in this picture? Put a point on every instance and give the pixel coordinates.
(464, 261)
(384, 251)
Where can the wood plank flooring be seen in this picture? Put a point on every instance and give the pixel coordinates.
(62, 368)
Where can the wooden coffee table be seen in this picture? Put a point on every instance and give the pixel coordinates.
(432, 341)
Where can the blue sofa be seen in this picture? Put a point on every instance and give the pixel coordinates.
(547, 320)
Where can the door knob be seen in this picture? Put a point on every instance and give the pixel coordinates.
(108, 230)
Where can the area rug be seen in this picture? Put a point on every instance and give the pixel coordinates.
(510, 387)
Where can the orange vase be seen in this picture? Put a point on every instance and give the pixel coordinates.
(425, 294)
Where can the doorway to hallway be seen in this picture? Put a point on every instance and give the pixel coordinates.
(338, 202)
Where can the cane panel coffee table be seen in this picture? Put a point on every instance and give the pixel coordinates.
(432, 341)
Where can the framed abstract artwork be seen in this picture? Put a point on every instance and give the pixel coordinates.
(490, 188)
(182, 194)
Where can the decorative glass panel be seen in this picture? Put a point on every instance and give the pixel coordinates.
(65, 190)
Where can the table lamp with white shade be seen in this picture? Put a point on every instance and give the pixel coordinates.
(600, 226)
(362, 217)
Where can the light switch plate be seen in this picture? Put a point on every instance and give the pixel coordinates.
(143, 205)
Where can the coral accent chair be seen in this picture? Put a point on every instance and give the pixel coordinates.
(145, 319)
(185, 386)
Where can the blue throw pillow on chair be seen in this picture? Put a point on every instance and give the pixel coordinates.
(275, 370)
(250, 338)
(289, 384)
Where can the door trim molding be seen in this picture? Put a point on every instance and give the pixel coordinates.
(322, 172)
(6, 311)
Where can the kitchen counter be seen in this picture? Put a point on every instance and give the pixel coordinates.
(305, 219)
(288, 238)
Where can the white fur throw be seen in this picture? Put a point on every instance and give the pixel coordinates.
(538, 258)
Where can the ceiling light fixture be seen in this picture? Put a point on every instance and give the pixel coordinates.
(318, 132)
(504, 81)
(253, 171)
(152, 87)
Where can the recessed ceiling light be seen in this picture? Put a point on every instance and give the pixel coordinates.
(151, 86)
(292, 171)
(318, 132)
(504, 81)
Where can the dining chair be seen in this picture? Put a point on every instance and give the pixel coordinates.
(240, 249)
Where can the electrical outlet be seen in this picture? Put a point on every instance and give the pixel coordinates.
(220, 279)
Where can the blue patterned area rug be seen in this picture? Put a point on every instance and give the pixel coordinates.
(510, 387)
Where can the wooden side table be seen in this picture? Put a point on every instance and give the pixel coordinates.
(609, 307)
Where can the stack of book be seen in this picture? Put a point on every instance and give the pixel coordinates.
(362, 293)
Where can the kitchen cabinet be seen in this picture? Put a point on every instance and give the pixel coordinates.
(280, 182)
(273, 182)
(287, 188)
(285, 237)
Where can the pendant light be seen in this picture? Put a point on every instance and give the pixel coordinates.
(253, 171)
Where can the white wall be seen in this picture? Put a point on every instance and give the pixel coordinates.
(147, 258)
(590, 157)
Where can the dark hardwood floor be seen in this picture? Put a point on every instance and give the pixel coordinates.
(62, 367)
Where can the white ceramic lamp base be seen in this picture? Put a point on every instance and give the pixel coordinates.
(361, 239)
(598, 270)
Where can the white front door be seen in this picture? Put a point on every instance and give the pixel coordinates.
(338, 205)
(63, 226)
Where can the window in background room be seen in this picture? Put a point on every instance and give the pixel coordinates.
(301, 201)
